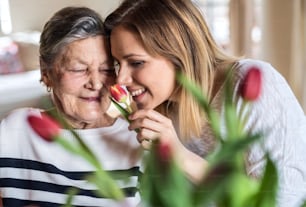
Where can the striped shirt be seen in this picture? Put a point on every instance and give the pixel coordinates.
(36, 172)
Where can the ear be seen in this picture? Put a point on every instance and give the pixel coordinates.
(45, 75)
(45, 78)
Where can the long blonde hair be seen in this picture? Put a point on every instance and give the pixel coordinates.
(176, 29)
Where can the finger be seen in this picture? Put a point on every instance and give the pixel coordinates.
(146, 144)
(145, 134)
(147, 113)
(146, 123)
(149, 134)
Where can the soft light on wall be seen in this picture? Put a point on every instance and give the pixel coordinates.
(5, 17)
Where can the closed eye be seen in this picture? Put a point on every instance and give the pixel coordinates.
(137, 64)
(78, 71)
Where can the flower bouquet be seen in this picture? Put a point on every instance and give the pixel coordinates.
(225, 183)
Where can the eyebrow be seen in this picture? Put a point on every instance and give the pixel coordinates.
(78, 60)
(132, 55)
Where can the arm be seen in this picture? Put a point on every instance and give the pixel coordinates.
(193, 165)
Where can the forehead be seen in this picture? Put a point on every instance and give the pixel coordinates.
(89, 49)
(124, 40)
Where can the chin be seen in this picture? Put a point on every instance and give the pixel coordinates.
(93, 115)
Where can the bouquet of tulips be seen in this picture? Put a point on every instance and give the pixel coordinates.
(163, 184)
(225, 183)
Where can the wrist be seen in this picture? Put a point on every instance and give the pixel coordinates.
(193, 165)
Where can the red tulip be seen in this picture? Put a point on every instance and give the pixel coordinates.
(250, 87)
(118, 93)
(44, 126)
(164, 152)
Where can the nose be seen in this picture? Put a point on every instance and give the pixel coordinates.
(94, 81)
(124, 76)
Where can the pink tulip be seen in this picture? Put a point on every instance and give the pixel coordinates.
(118, 93)
(44, 126)
(250, 87)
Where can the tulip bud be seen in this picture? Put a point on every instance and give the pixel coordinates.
(118, 93)
(44, 126)
(164, 152)
(250, 87)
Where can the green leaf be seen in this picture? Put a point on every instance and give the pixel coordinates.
(107, 187)
(214, 186)
(164, 184)
(234, 126)
(242, 190)
(266, 196)
(232, 123)
(70, 194)
(304, 204)
(230, 149)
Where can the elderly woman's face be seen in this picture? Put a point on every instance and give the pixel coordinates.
(85, 73)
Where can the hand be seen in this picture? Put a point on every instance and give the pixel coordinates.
(152, 125)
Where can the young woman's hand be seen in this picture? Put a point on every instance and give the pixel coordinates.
(152, 125)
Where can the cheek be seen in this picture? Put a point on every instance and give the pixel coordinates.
(65, 102)
(66, 90)
(166, 78)
(68, 85)
(161, 86)
(64, 98)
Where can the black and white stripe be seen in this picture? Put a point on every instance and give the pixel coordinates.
(17, 188)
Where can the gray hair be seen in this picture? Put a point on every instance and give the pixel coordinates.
(65, 26)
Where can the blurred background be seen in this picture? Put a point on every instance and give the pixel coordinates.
(271, 30)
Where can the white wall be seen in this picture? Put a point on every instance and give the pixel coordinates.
(29, 15)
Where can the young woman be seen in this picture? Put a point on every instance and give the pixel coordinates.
(153, 39)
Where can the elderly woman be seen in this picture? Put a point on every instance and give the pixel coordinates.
(77, 69)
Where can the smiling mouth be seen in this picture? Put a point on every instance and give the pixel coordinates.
(137, 92)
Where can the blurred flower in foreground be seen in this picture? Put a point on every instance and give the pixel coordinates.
(164, 152)
(44, 126)
(250, 87)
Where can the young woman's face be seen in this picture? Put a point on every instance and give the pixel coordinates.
(150, 80)
(85, 72)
